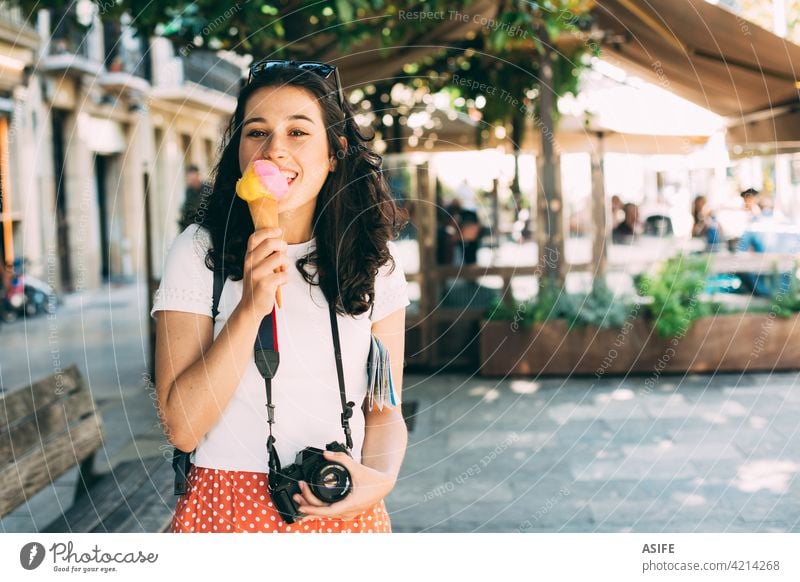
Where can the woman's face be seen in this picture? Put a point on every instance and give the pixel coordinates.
(284, 125)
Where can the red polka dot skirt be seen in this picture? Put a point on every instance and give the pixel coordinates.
(235, 501)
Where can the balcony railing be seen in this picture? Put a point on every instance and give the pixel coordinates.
(124, 52)
(13, 15)
(67, 36)
(207, 69)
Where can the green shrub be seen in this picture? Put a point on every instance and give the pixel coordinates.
(548, 304)
(599, 308)
(785, 300)
(499, 311)
(551, 303)
(676, 295)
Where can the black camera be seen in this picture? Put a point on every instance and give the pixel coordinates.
(329, 481)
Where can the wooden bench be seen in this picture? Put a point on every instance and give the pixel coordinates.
(52, 426)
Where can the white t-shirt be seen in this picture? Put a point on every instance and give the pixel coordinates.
(305, 389)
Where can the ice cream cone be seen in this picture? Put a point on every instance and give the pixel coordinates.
(261, 186)
(264, 212)
(265, 215)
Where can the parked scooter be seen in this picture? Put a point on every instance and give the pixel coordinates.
(27, 296)
(13, 300)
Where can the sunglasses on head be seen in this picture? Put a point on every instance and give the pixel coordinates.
(324, 70)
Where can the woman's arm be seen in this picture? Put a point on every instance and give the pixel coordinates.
(386, 435)
(385, 441)
(196, 375)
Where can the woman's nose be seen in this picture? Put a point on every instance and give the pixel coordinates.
(273, 148)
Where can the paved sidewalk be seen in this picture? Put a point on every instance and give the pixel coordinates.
(103, 331)
(700, 453)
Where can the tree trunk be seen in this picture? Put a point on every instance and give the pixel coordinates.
(599, 212)
(550, 236)
(394, 136)
(517, 133)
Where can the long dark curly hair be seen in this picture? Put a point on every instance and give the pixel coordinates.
(355, 214)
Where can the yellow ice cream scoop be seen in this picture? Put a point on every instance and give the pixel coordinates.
(261, 178)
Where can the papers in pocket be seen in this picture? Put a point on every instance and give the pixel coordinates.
(380, 386)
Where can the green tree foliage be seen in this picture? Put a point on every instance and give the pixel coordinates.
(500, 53)
(500, 61)
(284, 29)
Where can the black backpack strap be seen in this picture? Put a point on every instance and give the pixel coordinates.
(181, 461)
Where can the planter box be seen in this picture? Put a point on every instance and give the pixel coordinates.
(726, 343)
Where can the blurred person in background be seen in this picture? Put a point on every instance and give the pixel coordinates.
(766, 233)
(617, 211)
(751, 198)
(628, 229)
(446, 232)
(766, 205)
(751, 211)
(466, 230)
(701, 213)
(195, 187)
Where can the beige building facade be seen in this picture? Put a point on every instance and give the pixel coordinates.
(20, 107)
(90, 114)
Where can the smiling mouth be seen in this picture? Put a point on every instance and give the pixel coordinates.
(290, 176)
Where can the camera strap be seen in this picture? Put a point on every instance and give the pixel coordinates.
(347, 407)
(267, 359)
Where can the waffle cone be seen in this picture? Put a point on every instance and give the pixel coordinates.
(264, 212)
(265, 215)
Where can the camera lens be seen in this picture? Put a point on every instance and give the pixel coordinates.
(330, 482)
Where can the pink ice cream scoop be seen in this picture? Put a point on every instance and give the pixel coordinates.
(261, 178)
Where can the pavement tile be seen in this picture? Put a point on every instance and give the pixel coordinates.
(687, 451)
(464, 440)
(576, 430)
(551, 502)
(606, 409)
(634, 431)
(430, 517)
(757, 509)
(669, 511)
(631, 468)
(667, 405)
(787, 425)
(42, 508)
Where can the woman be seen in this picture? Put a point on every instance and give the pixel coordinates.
(336, 224)
(701, 214)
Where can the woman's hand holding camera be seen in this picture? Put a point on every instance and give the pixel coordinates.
(369, 487)
(265, 269)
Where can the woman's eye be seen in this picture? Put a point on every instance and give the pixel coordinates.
(297, 132)
(257, 133)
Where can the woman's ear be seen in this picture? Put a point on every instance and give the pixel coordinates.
(333, 159)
